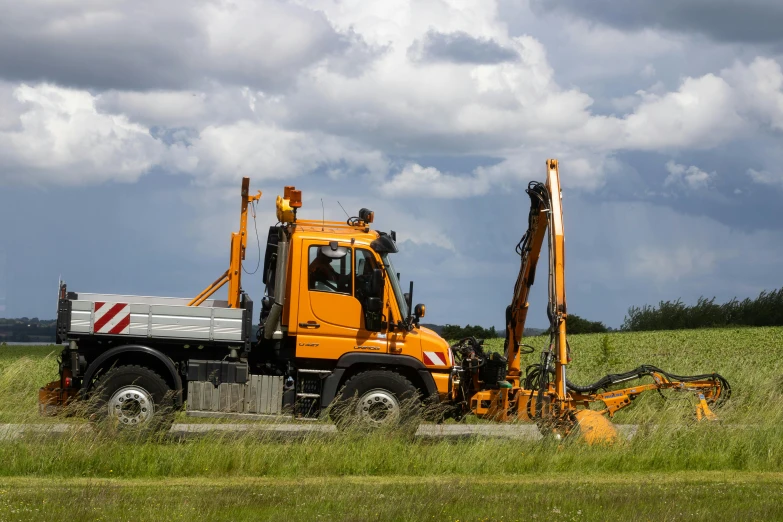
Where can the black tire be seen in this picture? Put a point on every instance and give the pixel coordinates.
(378, 399)
(121, 398)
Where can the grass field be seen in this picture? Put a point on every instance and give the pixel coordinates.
(674, 468)
(708, 497)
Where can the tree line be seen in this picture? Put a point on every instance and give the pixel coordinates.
(575, 325)
(765, 310)
(24, 330)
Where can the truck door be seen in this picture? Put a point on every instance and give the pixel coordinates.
(331, 316)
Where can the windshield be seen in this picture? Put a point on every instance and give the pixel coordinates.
(395, 285)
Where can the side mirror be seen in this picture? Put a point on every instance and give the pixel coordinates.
(374, 305)
(419, 311)
(373, 317)
(376, 284)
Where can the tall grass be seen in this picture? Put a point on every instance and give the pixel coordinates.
(673, 468)
(668, 438)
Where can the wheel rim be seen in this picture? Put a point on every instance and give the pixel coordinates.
(131, 405)
(378, 407)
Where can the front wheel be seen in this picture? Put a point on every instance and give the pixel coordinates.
(133, 399)
(378, 399)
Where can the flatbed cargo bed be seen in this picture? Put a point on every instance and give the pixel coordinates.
(88, 314)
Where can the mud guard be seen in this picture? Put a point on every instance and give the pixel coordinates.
(95, 365)
(332, 382)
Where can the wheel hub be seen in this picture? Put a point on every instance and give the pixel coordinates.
(131, 405)
(378, 407)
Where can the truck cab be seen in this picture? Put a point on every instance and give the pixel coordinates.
(343, 310)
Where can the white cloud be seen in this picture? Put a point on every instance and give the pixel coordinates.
(60, 137)
(691, 177)
(759, 88)
(236, 120)
(709, 110)
(252, 42)
(264, 151)
(177, 44)
(167, 108)
(415, 180)
(700, 114)
(585, 171)
(766, 177)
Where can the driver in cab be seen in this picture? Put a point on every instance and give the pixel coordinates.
(322, 274)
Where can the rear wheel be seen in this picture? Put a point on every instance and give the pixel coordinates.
(133, 399)
(378, 399)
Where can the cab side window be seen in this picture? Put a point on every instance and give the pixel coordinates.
(330, 269)
(365, 264)
(369, 294)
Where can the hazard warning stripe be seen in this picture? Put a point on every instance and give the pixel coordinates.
(434, 359)
(122, 326)
(111, 318)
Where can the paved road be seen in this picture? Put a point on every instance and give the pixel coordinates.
(296, 430)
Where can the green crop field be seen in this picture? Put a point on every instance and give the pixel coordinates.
(673, 468)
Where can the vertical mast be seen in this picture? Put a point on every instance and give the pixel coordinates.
(233, 276)
(238, 246)
(557, 297)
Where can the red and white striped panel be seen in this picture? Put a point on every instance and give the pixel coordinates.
(111, 318)
(435, 359)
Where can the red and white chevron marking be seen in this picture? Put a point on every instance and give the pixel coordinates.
(435, 359)
(111, 318)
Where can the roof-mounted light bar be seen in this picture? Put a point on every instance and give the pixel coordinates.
(287, 205)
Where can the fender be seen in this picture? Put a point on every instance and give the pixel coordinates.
(380, 359)
(94, 366)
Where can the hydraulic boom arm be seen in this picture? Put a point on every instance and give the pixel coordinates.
(545, 211)
(544, 394)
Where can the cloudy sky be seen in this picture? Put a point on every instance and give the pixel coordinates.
(126, 125)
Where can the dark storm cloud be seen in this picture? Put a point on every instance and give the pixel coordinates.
(459, 47)
(161, 45)
(750, 21)
(74, 46)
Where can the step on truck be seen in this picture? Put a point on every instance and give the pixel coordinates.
(336, 336)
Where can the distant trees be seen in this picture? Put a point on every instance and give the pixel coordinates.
(453, 331)
(27, 330)
(575, 325)
(765, 310)
(579, 325)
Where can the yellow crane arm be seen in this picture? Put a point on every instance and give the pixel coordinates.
(557, 296)
(545, 212)
(544, 394)
(233, 276)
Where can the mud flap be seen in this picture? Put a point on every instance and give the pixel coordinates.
(52, 398)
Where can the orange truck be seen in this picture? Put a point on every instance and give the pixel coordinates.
(338, 335)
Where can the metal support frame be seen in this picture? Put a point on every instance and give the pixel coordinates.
(233, 276)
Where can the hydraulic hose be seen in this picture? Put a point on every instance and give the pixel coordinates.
(645, 370)
(534, 380)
